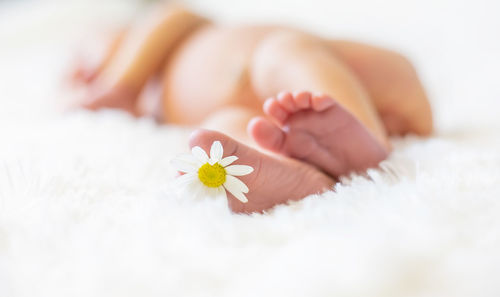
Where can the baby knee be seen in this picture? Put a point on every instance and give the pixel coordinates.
(271, 59)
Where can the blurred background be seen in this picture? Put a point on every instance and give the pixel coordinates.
(453, 43)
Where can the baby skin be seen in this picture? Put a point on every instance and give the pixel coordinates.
(300, 109)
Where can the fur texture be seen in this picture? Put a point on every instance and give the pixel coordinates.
(86, 208)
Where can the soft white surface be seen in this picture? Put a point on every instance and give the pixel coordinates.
(85, 208)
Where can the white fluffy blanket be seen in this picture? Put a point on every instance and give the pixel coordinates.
(86, 210)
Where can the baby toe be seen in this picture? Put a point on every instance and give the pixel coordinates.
(302, 99)
(320, 102)
(287, 102)
(266, 134)
(274, 109)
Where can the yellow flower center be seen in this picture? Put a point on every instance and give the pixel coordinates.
(212, 176)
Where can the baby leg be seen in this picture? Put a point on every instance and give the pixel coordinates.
(393, 85)
(140, 54)
(233, 121)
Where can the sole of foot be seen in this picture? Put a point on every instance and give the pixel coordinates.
(275, 179)
(317, 130)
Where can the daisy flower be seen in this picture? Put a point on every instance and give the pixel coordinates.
(211, 176)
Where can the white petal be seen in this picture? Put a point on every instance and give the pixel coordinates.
(239, 170)
(200, 154)
(199, 190)
(185, 163)
(221, 192)
(227, 161)
(185, 180)
(236, 187)
(212, 192)
(236, 184)
(218, 193)
(216, 151)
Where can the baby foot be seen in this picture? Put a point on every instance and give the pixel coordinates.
(291, 179)
(317, 130)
